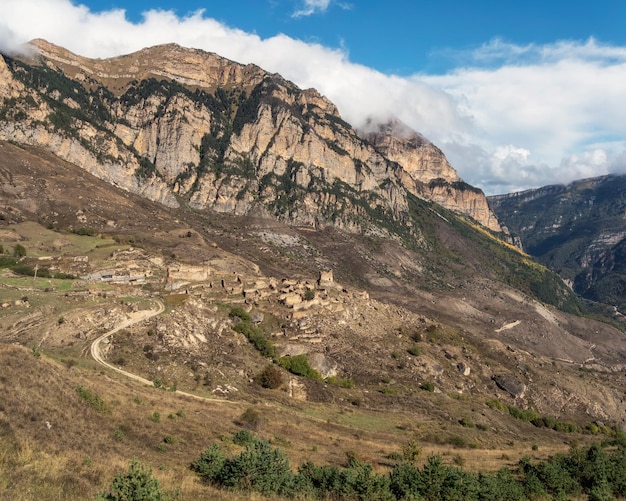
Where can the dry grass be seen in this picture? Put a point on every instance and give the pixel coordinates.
(40, 241)
(83, 450)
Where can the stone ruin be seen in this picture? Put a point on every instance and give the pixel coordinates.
(326, 278)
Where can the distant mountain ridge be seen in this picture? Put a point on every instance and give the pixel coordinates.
(578, 230)
(181, 125)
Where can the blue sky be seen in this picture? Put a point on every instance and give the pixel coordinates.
(405, 36)
(517, 94)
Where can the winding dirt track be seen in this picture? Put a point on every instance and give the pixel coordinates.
(135, 318)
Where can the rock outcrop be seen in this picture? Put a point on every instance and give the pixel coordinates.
(431, 176)
(176, 124)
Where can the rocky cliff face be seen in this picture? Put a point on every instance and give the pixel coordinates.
(427, 173)
(182, 125)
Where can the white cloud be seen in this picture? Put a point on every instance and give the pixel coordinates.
(517, 117)
(311, 7)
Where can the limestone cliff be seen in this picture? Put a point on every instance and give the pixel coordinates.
(431, 176)
(182, 125)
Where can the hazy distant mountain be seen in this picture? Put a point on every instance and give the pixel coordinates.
(577, 230)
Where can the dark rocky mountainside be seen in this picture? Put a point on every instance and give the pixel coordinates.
(578, 230)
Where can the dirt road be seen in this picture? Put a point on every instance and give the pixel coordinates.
(135, 318)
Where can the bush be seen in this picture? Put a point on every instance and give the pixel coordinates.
(416, 336)
(457, 441)
(243, 437)
(93, 400)
(527, 415)
(239, 312)
(497, 405)
(19, 251)
(342, 383)
(415, 351)
(594, 473)
(210, 464)
(257, 338)
(467, 422)
(411, 451)
(118, 435)
(137, 484)
(270, 377)
(428, 387)
(258, 468)
(170, 439)
(299, 365)
(90, 232)
(308, 294)
(251, 418)
(24, 269)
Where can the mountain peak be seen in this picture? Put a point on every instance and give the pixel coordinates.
(416, 154)
(191, 67)
(230, 137)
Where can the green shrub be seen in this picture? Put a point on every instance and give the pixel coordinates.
(428, 387)
(243, 437)
(93, 400)
(467, 422)
(19, 251)
(251, 418)
(137, 484)
(118, 435)
(527, 415)
(457, 441)
(7, 262)
(497, 405)
(209, 465)
(155, 417)
(388, 390)
(308, 294)
(239, 312)
(299, 365)
(411, 451)
(342, 383)
(416, 351)
(90, 232)
(257, 338)
(259, 468)
(594, 473)
(416, 336)
(24, 269)
(170, 439)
